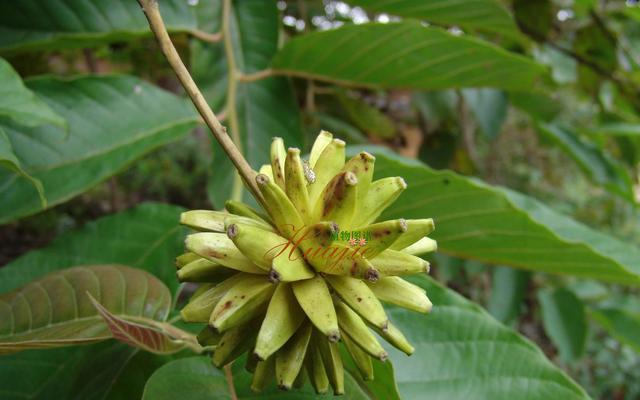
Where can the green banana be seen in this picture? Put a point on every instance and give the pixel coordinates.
(394, 336)
(299, 382)
(238, 219)
(284, 316)
(395, 290)
(243, 210)
(270, 251)
(204, 220)
(342, 260)
(297, 279)
(315, 368)
(232, 344)
(266, 170)
(208, 337)
(422, 246)
(278, 156)
(381, 194)
(283, 213)
(283, 269)
(258, 245)
(416, 230)
(360, 358)
(323, 139)
(246, 299)
(333, 364)
(202, 288)
(361, 165)
(201, 305)
(313, 239)
(296, 183)
(393, 262)
(354, 327)
(360, 298)
(186, 258)
(328, 164)
(263, 373)
(383, 235)
(290, 359)
(219, 248)
(337, 202)
(203, 270)
(314, 298)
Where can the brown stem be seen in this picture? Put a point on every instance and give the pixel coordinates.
(152, 12)
(256, 76)
(206, 36)
(229, 376)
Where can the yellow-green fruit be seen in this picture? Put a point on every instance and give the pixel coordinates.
(292, 284)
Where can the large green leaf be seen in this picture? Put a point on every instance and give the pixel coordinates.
(266, 108)
(598, 165)
(79, 373)
(405, 54)
(20, 104)
(193, 378)
(564, 319)
(620, 317)
(463, 353)
(366, 117)
(499, 226)
(484, 15)
(112, 121)
(508, 290)
(489, 107)
(57, 310)
(48, 24)
(9, 160)
(146, 237)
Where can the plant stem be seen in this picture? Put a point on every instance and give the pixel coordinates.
(206, 36)
(152, 12)
(256, 76)
(229, 375)
(232, 90)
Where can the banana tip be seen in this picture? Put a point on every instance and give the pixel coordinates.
(178, 275)
(372, 275)
(258, 356)
(366, 156)
(427, 266)
(232, 231)
(350, 178)
(283, 386)
(333, 336)
(262, 179)
(274, 276)
(403, 225)
(384, 326)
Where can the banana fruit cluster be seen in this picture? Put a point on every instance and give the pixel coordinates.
(284, 288)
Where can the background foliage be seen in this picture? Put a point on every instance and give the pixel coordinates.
(515, 123)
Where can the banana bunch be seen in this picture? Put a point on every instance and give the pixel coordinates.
(288, 286)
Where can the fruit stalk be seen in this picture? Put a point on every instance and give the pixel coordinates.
(156, 23)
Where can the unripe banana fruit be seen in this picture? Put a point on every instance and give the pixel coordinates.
(290, 286)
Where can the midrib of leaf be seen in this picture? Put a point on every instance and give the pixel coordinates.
(97, 318)
(591, 249)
